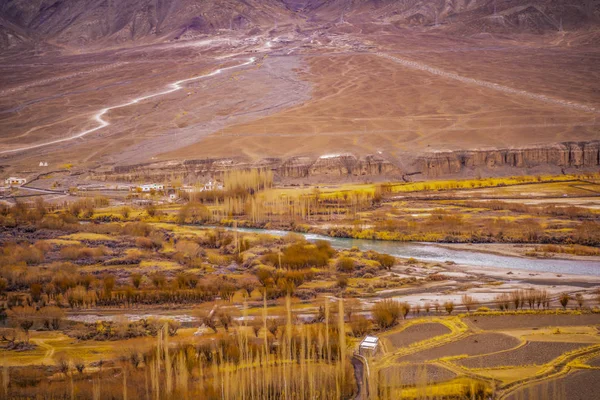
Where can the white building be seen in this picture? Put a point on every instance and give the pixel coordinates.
(208, 187)
(213, 185)
(369, 346)
(151, 187)
(12, 181)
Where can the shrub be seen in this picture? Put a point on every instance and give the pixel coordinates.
(144, 243)
(342, 281)
(345, 264)
(301, 255)
(449, 307)
(360, 325)
(386, 313)
(386, 261)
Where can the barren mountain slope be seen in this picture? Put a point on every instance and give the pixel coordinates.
(465, 16)
(110, 22)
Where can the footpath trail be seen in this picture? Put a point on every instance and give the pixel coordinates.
(49, 351)
(494, 86)
(99, 116)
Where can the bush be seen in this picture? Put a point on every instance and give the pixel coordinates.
(386, 313)
(386, 261)
(345, 264)
(301, 255)
(360, 326)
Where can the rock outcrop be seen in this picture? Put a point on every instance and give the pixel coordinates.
(332, 167)
(568, 155)
(565, 155)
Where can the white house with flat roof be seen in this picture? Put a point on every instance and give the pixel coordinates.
(369, 346)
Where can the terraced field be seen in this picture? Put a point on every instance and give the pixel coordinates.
(533, 353)
(505, 356)
(477, 344)
(578, 385)
(531, 321)
(417, 374)
(416, 333)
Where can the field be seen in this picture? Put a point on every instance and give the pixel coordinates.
(145, 298)
(504, 363)
(417, 333)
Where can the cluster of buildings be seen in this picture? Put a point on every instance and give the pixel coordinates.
(172, 192)
(13, 181)
(208, 187)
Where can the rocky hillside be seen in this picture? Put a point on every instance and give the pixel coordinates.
(113, 22)
(461, 16)
(553, 158)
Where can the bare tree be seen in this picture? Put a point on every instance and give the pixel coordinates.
(468, 301)
(564, 300)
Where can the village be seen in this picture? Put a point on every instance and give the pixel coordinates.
(27, 188)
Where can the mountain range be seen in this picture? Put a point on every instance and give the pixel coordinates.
(100, 23)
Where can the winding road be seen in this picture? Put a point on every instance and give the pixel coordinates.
(102, 123)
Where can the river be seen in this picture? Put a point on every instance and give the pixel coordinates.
(435, 253)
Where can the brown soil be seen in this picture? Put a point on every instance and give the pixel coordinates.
(578, 385)
(531, 321)
(364, 104)
(594, 362)
(533, 353)
(417, 374)
(481, 343)
(417, 333)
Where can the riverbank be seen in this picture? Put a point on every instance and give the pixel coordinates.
(516, 250)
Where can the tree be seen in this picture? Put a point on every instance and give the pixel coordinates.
(468, 301)
(109, 285)
(173, 326)
(159, 280)
(427, 307)
(23, 317)
(3, 285)
(136, 280)
(386, 313)
(564, 300)
(257, 324)
(225, 319)
(360, 325)
(404, 309)
(79, 365)
(52, 317)
(449, 307)
(580, 300)
(351, 306)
